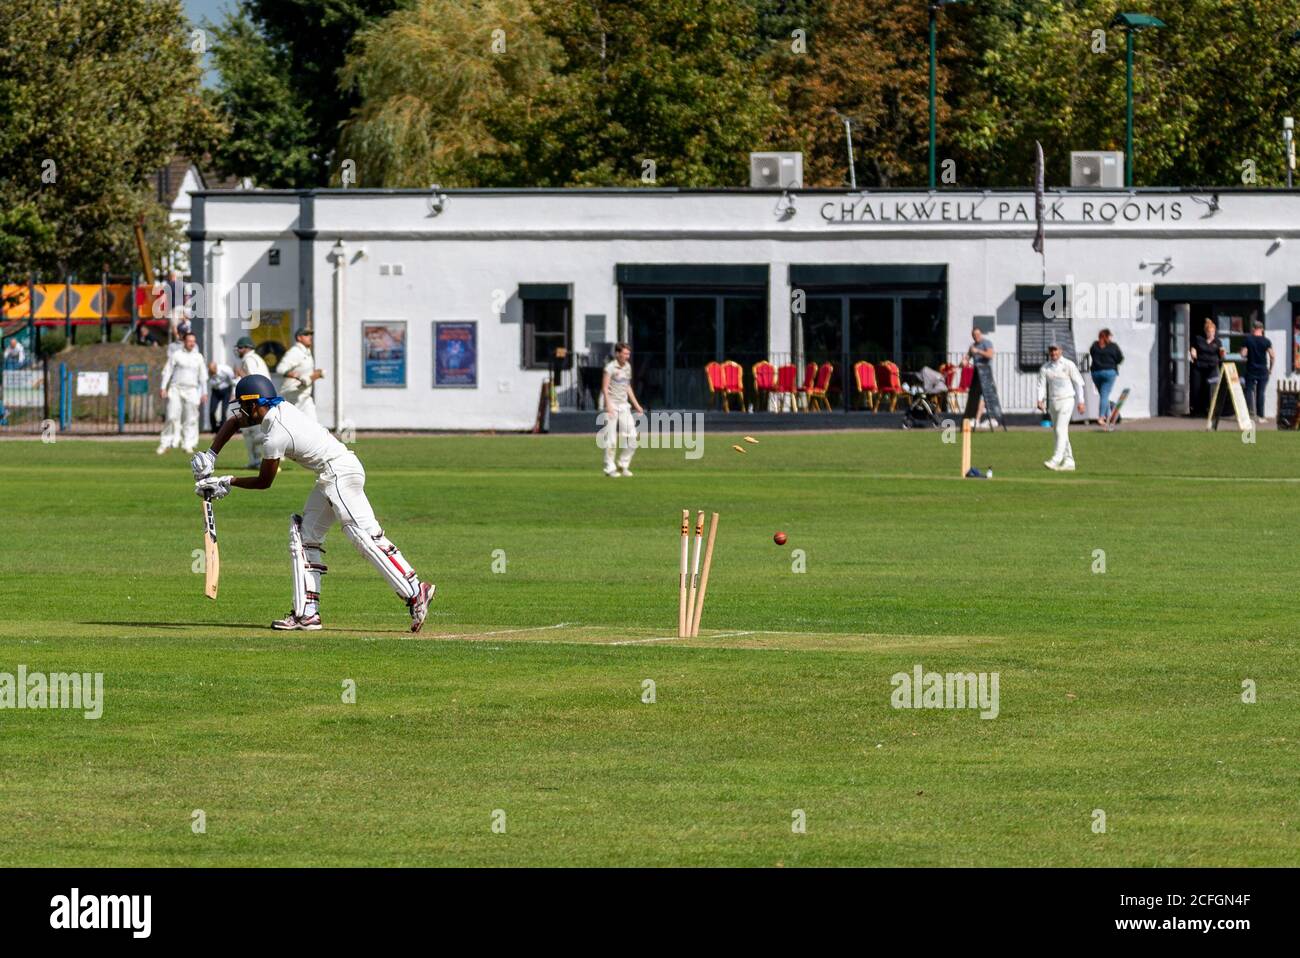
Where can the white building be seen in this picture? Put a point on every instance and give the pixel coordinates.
(689, 276)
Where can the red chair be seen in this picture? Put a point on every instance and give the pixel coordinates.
(817, 394)
(958, 380)
(864, 375)
(889, 384)
(717, 385)
(809, 381)
(733, 382)
(787, 379)
(764, 384)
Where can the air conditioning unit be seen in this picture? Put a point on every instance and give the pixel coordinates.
(776, 171)
(1097, 168)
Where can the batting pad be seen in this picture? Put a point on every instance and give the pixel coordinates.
(383, 555)
(307, 568)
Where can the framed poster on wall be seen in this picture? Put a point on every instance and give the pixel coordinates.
(383, 353)
(455, 355)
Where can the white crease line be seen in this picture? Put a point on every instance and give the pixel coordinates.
(477, 635)
(674, 638)
(666, 638)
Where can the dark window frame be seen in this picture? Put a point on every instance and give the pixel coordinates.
(529, 337)
(1031, 351)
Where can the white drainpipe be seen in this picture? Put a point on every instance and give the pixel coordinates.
(339, 255)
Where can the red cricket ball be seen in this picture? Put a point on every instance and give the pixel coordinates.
(779, 538)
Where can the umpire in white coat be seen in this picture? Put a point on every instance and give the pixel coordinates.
(1060, 393)
(184, 389)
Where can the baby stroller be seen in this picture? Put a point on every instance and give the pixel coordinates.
(927, 394)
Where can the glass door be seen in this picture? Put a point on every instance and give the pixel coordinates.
(647, 329)
(695, 331)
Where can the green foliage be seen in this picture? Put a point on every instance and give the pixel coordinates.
(270, 138)
(280, 93)
(441, 86)
(94, 96)
(587, 91)
(669, 82)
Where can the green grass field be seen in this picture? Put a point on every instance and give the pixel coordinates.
(1119, 691)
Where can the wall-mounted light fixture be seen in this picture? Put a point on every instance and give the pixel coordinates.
(437, 200)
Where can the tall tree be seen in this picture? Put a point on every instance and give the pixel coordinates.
(569, 92)
(442, 87)
(94, 96)
(662, 91)
(1209, 90)
(279, 88)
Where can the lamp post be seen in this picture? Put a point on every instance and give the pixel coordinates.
(935, 7)
(1130, 23)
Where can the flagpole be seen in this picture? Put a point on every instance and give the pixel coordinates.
(1040, 246)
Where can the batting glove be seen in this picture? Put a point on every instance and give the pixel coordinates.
(203, 463)
(213, 487)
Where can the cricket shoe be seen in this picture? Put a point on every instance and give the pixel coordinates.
(1052, 464)
(612, 473)
(1067, 466)
(419, 606)
(298, 623)
(625, 472)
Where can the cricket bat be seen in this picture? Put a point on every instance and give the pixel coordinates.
(211, 557)
(965, 447)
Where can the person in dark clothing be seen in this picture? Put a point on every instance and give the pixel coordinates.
(1207, 358)
(1258, 353)
(979, 353)
(1106, 357)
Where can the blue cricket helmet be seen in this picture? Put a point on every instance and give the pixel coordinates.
(256, 391)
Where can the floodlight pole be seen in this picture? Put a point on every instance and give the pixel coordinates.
(1131, 23)
(1128, 92)
(935, 6)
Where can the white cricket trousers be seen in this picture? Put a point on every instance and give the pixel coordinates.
(619, 440)
(340, 493)
(1062, 410)
(181, 426)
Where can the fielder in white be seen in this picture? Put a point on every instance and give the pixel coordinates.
(618, 434)
(184, 388)
(339, 494)
(297, 367)
(1060, 392)
(251, 364)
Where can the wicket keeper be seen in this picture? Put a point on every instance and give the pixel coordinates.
(339, 493)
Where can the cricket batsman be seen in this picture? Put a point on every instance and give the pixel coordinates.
(297, 367)
(184, 387)
(251, 364)
(1060, 392)
(339, 494)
